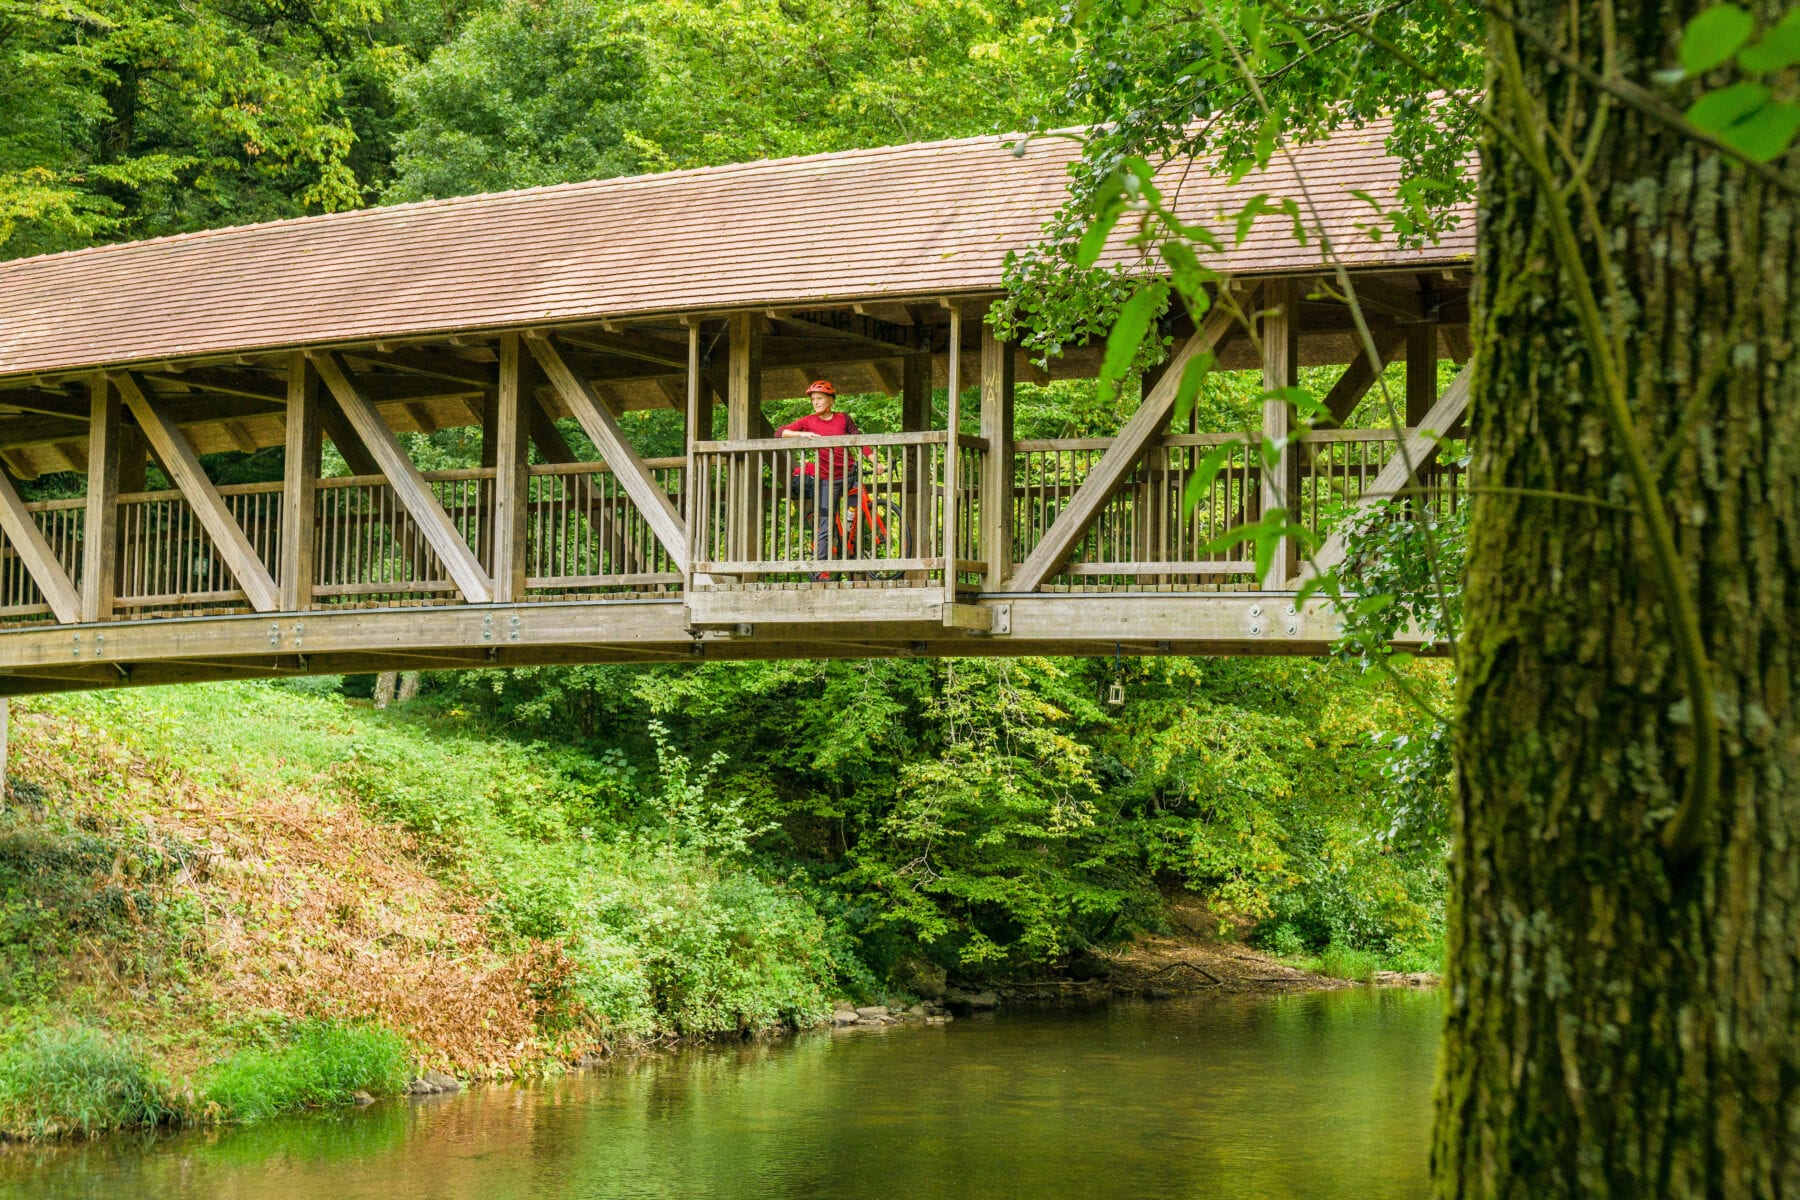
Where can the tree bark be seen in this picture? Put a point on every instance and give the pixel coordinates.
(1621, 1024)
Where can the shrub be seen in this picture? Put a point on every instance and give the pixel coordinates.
(78, 1080)
(1283, 939)
(324, 1064)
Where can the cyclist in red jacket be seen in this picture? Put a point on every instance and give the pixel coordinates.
(822, 484)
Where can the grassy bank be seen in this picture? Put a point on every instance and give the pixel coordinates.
(227, 902)
(230, 901)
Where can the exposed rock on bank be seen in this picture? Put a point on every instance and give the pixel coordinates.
(877, 1016)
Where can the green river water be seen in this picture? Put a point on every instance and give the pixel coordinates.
(1318, 1095)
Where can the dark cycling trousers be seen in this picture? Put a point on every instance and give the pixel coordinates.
(820, 499)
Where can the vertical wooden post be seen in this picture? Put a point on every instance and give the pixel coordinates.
(1421, 371)
(699, 392)
(100, 529)
(743, 401)
(915, 393)
(5, 720)
(953, 417)
(1281, 369)
(488, 510)
(699, 429)
(997, 472)
(915, 417)
(298, 511)
(510, 420)
(743, 380)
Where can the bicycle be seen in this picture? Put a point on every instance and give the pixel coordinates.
(886, 531)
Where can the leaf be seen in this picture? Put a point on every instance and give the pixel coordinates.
(1777, 49)
(1192, 376)
(1140, 179)
(1201, 481)
(1714, 36)
(1301, 399)
(1247, 215)
(1717, 111)
(1370, 605)
(1185, 268)
(1127, 335)
(1268, 541)
(1291, 207)
(1109, 206)
(1312, 585)
(1094, 240)
(1266, 137)
(1766, 133)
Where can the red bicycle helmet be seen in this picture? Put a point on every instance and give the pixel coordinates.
(822, 385)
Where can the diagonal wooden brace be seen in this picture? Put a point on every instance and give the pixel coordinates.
(1419, 450)
(1120, 459)
(28, 542)
(603, 429)
(409, 486)
(171, 448)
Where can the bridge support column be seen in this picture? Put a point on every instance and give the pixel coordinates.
(298, 511)
(997, 475)
(1421, 371)
(100, 526)
(510, 422)
(952, 425)
(1281, 369)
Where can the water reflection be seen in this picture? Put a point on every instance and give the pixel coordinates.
(1294, 1096)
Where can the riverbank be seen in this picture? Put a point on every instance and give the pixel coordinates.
(219, 904)
(240, 901)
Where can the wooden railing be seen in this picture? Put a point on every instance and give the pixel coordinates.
(1146, 527)
(584, 536)
(368, 548)
(61, 523)
(751, 513)
(168, 563)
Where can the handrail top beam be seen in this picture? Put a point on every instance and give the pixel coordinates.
(929, 437)
(600, 468)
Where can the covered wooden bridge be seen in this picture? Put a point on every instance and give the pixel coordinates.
(707, 292)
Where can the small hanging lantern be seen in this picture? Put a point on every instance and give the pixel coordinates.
(1115, 694)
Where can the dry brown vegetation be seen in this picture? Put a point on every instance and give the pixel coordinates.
(306, 907)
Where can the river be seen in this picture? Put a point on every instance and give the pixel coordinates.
(1313, 1095)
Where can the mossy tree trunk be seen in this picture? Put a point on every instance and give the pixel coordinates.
(1620, 1025)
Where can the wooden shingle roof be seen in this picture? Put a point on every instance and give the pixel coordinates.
(932, 218)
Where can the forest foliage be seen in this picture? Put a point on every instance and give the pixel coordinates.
(139, 118)
(995, 814)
